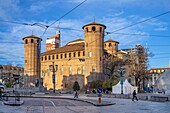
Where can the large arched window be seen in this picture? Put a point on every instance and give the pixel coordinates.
(93, 28)
(26, 41)
(32, 41)
(86, 29)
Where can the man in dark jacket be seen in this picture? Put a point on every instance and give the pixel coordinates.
(134, 95)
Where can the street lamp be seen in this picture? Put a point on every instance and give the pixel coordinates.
(121, 78)
(53, 68)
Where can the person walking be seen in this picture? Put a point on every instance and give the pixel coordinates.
(134, 96)
(76, 94)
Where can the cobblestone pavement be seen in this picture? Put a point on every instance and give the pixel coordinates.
(35, 105)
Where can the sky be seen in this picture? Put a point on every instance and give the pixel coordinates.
(115, 14)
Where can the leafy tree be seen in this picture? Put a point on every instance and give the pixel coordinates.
(109, 83)
(76, 86)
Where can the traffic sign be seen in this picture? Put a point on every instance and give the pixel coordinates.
(99, 90)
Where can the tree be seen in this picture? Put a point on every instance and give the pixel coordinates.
(76, 86)
(139, 61)
(109, 83)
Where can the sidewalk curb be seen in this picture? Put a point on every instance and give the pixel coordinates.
(75, 99)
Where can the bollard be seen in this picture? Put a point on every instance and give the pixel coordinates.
(99, 99)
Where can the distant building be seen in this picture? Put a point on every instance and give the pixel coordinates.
(154, 74)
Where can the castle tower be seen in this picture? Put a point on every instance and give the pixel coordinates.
(32, 46)
(53, 42)
(111, 46)
(94, 48)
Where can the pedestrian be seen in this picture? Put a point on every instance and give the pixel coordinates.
(134, 96)
(76, 94)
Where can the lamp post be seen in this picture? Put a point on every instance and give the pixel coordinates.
(121, 78)
(53, 68)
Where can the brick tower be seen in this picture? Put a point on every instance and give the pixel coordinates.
(94, 48)
(32, 47)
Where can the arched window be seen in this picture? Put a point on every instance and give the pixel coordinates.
(45, 57)
(56, 56)
(86, 29)
(78, 54)
(26, 41)
(74, 54)
(66, 55)
(32, 41)
(100, 29)
(93, 28)
(61, 56)
(69, 55)
(41, 58)
(53, 57)
(110, 45)
(49, 57)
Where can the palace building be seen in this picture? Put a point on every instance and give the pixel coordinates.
(77, 59)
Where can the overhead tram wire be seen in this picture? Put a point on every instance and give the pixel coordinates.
(62, 17)
(138, 22)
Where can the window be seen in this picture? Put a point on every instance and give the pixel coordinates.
(115, 44)
(49, 57)
(78, 71)
(53, 57)
(41, 58)
(70, 70)
(69, 55)
(78, 54)
(93, 28)
(32, 41)
(86, 29)
(65, 55)
(45, 57)
(25, 61)
(89, 54)
(93, 68)
(37, 41)
(26, 41)
(83, 53)
(74, 54)
(110, 45)
(61, 71)
(83, 69)
(61, 56)
(100, 29)
(56, 56)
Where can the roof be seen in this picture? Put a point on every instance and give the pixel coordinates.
(110, 40)
(76, 41)
(66, 48)
(94, 23)
(32, 36)
(159, 68)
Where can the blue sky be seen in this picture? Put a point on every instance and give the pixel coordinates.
(114, 14)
